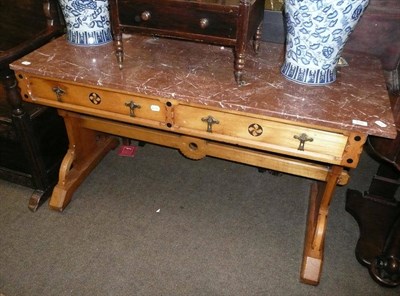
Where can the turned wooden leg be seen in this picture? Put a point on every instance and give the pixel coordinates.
(119, 50)
(86, 149)
(257, 38)
(320, 198)
(239, 65)
(117, 33)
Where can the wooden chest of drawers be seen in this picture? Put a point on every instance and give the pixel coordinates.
(229, 23)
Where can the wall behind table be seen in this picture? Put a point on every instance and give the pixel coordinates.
(20, 19)
(378, 32)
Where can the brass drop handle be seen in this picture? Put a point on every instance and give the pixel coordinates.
(145, 16)
(303, 138)
(210, 121)
(59, 92)
(132, 106)
(204, 23)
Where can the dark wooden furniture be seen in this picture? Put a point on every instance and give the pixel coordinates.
(165, 95)
(377, 34)
(378, 247)
(377, 211)
(230, 23)
(32, 137)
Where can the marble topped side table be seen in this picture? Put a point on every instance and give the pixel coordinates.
(181, 95)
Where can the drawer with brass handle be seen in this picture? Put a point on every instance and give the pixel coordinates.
(238, 128)
(264, 134)
(96, 101)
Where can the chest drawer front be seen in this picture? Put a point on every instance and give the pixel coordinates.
(179, 16)
(96, 100)
(263, 134)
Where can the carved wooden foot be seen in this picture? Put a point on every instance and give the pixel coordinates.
(87, 148)
(320, 196)
(73, 173)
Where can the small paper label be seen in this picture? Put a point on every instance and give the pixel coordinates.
(360, 122)
(380, 123)
(126, 150)
(155, 108)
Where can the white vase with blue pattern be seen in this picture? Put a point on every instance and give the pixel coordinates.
(317, 31)
(87, 21)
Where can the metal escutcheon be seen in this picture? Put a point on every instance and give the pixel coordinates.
(59, 92)
(210, 121)
(303, 138)
(132, 106)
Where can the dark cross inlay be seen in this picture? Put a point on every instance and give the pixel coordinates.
(255, 129)
(303, 138)
(94, 98)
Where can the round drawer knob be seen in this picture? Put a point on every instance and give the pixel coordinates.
(204, 23)
(146, 15)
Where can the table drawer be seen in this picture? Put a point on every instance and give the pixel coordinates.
(98, 101)
(262, 134)
(190, 17)
(200, 121)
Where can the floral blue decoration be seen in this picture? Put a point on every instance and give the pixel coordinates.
(317, 31)
(87, 21)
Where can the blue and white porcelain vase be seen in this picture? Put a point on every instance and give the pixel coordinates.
(87, 21)
(317, 31)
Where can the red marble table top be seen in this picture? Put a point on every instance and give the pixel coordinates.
(203, 74)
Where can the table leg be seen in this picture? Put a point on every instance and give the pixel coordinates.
(320, 198)
(257, 38)
(86, 149)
